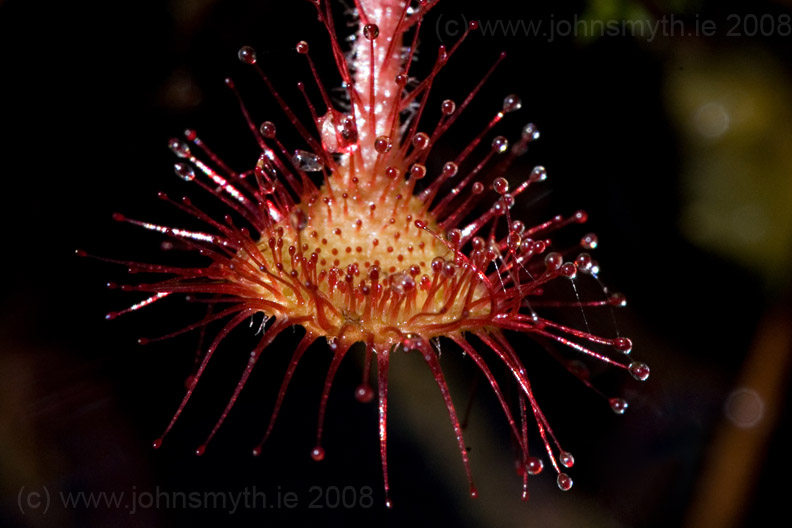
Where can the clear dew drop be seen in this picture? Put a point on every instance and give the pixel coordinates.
(617, 300)
(420, 140)
(500, 185)
(371, 31)
(184, 171)
(564, 482)
(302, 47)
(417, 171)
(639, 371)
(623, 345)
(538, 174)
(448, 107)
(179, 148)
(534, 465)
(618, 405)
(247, 55)
(450, 169)
(566, 459)
(583, 262)
(569, 270)
(589, 241)
(553, 261)
(306, 161)
(511, 103)
(500, 144)
(267, 129)
(530, 132)
(382, 144)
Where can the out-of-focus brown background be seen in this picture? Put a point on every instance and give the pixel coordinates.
(678, 144)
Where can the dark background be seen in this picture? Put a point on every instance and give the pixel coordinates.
(91, 92)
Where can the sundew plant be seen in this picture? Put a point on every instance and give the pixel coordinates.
(354, 236)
